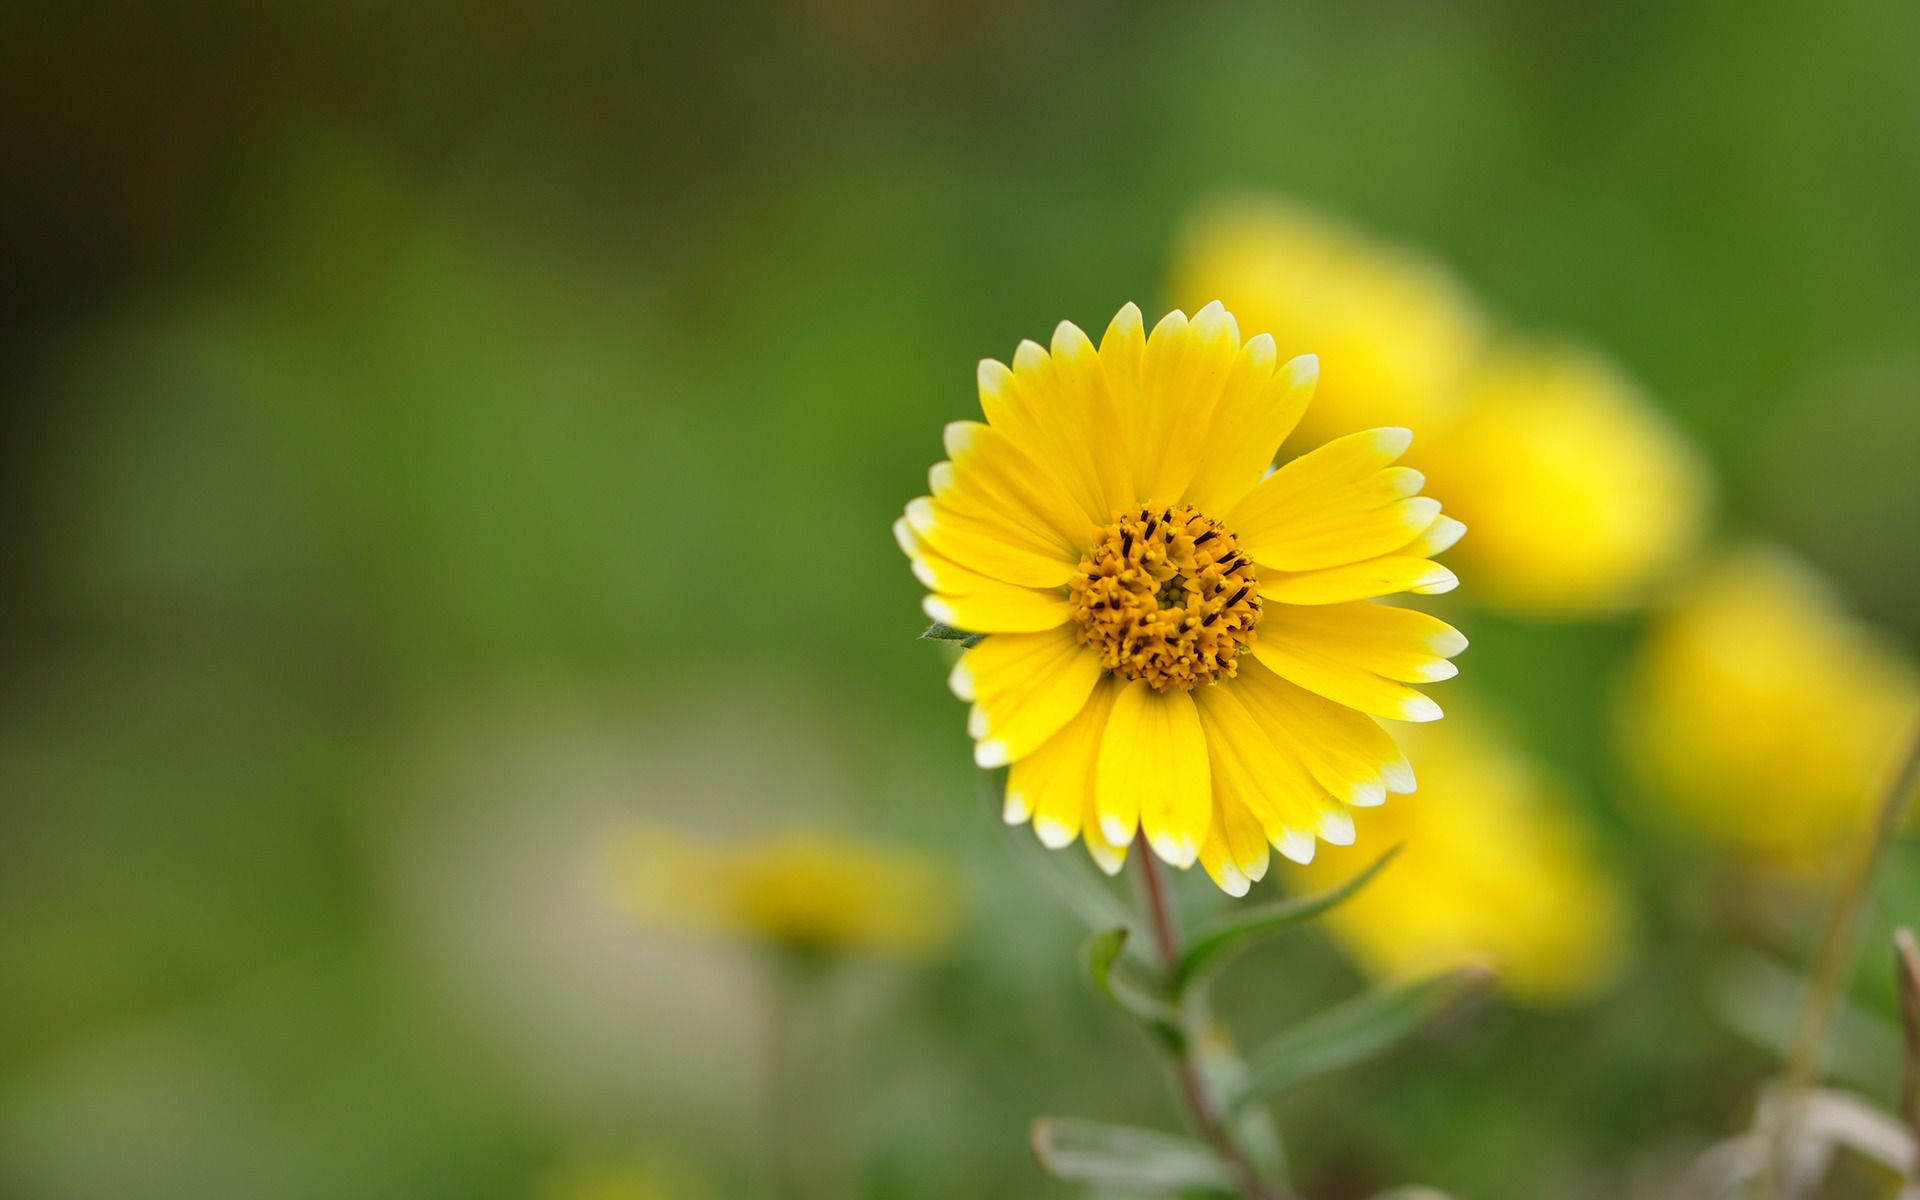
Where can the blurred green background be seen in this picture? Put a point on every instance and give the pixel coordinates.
(434, 434)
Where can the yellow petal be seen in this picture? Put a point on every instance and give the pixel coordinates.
(1187, 364)
(1055, 783)
(1235, 853)
(1251, 767)
(1004, 609)
(1398, 643)
(982, 549)
(1363, 580)
(1345, 752)
(1058, 420)
(1258, 408)
(1024, 687)
(987, 461)
(1339, 504)
(1153, 771)
(1344, 684)
(1084, 391)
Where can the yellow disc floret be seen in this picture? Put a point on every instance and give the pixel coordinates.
(1165, 595)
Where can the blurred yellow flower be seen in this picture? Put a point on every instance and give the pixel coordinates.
(801, 889)
(1579, 492)
(626, 1177)
(1184, 645)
(1494, 869)
(1394, 332)
(1762, 714)
(634, 1177)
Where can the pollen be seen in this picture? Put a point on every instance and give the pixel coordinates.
(1165, 595)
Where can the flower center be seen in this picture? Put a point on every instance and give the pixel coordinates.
(1166, 596)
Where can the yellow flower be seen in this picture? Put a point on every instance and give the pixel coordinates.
(1493, 869)
(1580, 493)
(797, 889)
(1762, 714)
(624, 1177)
(627, 1177)
(1183, 644)
(1393, 330)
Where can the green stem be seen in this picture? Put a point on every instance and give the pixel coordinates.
(1201, 1106)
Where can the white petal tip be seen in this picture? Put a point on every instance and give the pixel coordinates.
(1175, 852)
(1053, 835)
(1116, 831)
(1232, 882)
(1392, 439)
(1107, 858)
(990, 754)
(1420, 709)
(1442, 535)
(1368, 795)
(1336, 829)
(960, 683)
(1399, 778)
(1015, 810)
(938, 609)
(1295, 846)
(1436, 581)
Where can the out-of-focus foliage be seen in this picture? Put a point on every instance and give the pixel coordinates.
(436, 437)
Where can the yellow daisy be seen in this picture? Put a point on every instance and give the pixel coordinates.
(1183, 643)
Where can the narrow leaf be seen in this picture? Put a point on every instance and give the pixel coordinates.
(1102, 955)
(1119, 1156)
(1229, 934)
(937, 632)
(1365, 1027)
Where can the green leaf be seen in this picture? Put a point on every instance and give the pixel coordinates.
(1102, 956)
(1122, 1157)
(1226, 936)
(1367, 1026)
(937, 632)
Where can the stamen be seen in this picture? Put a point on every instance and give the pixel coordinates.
(1157, 617)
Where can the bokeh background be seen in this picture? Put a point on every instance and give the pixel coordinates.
(435, 436)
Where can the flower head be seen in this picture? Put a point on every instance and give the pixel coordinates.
(1580, 492)
(1394, 330)
(1183, 644)
(1761, 713)
(1492, 869)
(798, 889)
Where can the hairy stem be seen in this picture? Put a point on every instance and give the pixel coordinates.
(1201, 1106)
